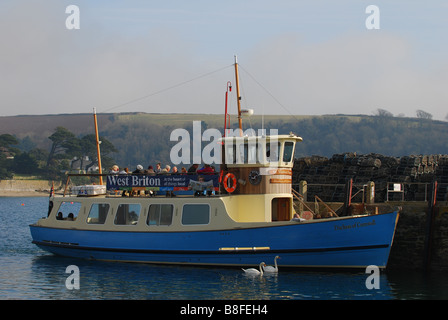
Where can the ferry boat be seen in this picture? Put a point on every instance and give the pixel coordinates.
(241, 216)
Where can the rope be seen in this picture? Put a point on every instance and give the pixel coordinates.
(167, 89)
(267, 91)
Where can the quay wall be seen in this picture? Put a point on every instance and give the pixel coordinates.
(25, 187)
(410, 249)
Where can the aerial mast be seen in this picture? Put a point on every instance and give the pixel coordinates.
(98, 146)
(238, 96)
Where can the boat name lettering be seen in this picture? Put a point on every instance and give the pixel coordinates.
(134, 181)
(354, 225)
(117, 182)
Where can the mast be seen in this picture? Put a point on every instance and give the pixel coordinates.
(97, 146)
(229, 89)
(238, 97)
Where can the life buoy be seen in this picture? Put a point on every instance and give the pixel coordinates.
(233, 185)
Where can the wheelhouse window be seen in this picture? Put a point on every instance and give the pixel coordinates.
(288, 151)
(244, 151)
(98, 213)
(160, 215)
(127, 214)
(272, 151)
(68, 211)
(194, 214)
(230, 155)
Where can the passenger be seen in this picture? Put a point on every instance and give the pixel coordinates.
(59, 216)
(150, 170)
(166, 170)
(193, 169)
(175, 170)
(183, 170)
(124, 171)
(139, 169)
(297, 218)
(70, 217)
(114, 169)
(207, 169)
(158, 169)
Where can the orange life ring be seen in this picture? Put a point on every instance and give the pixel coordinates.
(231, 188)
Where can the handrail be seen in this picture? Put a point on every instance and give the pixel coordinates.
(299, 197)
(331, 210)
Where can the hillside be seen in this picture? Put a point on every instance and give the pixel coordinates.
(145, 138)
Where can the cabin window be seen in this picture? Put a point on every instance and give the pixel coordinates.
(272, 151)
(98, 213)
(230, 156)
(68, 211)
(288, 151)
(127, 214)
(160, 215)
(242, 153)
(195, 214)
(250, 151)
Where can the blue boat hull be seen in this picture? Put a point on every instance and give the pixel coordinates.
(354, 242)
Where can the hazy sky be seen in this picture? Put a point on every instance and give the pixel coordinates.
(296, 57)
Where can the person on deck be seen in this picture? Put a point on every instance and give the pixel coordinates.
(166, 170)
(193, 169)
(150, 170)
(207, 169)
(139, 169)
(124, 171)
(114, 169)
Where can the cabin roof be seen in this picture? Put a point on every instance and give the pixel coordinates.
(267, 137)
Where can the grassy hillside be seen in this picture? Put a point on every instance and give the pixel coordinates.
(145, 138)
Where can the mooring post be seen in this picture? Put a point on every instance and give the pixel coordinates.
(430, 218)
(348, 197)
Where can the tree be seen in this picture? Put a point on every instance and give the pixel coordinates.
(423, 115)
(88, 148)
(383, 113)
(24, 163)
(64, 142)
(6, 140)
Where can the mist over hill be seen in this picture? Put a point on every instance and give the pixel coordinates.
(144, 138)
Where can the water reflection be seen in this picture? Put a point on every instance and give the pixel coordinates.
(418, 285)
(111, 280)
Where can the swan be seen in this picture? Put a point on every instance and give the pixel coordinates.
(253, 271)
(271, 269)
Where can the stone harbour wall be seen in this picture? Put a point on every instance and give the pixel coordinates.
(409, 249)
(26, 186)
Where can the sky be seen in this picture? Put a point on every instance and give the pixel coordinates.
(295, 57)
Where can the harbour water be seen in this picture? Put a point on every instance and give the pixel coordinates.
(29, 273)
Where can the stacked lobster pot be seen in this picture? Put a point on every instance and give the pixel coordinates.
(326, 177)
